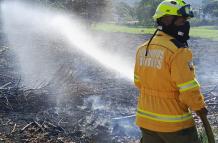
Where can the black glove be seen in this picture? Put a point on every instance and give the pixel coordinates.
(202, 111)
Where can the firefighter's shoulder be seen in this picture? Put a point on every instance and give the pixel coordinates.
(174, 45)
(144, 44)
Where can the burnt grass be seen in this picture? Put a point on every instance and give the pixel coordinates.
(83, 100)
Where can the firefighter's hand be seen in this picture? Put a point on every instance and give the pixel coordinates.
(202, 111)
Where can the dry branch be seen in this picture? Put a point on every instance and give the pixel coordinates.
(3, 49)
(25, 127)
(14, 128)
(40, 126)
(5, 85)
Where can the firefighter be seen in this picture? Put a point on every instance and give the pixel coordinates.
(165, 76)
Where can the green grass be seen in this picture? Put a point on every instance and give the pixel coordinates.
(208, 32)
(203, 136)
(122, 28)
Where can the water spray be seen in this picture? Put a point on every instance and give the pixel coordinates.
(81, 40)
(16, 15)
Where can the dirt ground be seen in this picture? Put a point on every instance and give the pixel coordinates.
(84, 102)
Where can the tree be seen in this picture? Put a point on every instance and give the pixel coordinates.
(90, 10)
(125, 12)
(211, 7)
(145, 11)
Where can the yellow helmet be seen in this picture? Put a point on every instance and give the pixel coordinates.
(173, 7)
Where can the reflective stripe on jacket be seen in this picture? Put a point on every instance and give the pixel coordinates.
(167, 84)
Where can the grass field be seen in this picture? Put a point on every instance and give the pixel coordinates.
(209, 32)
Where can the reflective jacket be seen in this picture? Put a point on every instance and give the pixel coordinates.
(167, 84)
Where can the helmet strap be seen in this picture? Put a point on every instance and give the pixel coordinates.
(147, 48)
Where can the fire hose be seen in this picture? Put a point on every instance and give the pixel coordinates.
(207, 128)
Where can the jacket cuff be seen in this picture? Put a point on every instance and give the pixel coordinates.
(199, 104)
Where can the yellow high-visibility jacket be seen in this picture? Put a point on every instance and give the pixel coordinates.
(168, 88)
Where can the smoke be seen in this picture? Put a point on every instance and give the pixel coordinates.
(27, 32)
(125, 126)
(119, 125)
